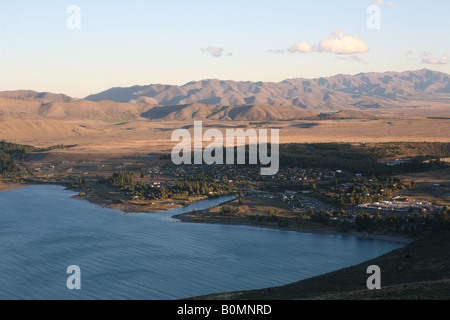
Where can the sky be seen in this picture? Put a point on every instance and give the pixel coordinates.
(82, 47)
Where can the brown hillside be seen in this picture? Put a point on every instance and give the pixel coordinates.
(87, 110)
(17, 130)
(199, 111)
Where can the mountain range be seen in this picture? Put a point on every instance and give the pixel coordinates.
(340, 96)
(361, 91)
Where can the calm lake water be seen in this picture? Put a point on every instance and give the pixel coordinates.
(151, 256)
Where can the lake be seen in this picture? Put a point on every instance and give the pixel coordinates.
(151, 256)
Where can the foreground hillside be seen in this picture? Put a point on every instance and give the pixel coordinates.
(419, 271)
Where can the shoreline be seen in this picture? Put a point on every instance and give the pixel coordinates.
(310, 228)
(130, 208)
(409, 273)
(11, 186)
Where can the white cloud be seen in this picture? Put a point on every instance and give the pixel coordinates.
(215, 52)
(336, 42)
(340, 44)
(301, 47)
(427, 58)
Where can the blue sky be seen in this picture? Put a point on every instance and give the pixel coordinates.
(125, 43)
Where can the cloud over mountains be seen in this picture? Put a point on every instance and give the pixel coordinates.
(339, 43)
(336, 42)
(427, 58)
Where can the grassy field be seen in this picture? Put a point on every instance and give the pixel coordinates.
(435, 176)
(258, 206)
(111, 138)
(253, 210)
(433, 186)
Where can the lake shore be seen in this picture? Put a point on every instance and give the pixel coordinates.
(102, 196)
(52, 208)
(108, 198)
(11, 186)
(307, 227)
(418, 271)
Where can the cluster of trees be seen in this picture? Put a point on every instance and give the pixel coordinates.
(126, 181)
(56, 147)
(78, 182)
(224, 210)
(7, 165)
(17, 150)
(321, 216)
(362, 190)
(432, 150)
(122, 179)
(416, 224)
(282, 222)
(265, 218)
(10, 152)
(412, 225)
(342, 156)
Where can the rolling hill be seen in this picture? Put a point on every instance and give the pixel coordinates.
(39, 130)
(88, 110)
(33, 105)
(197, 111)
(27, 95)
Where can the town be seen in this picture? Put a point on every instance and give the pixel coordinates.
(325, 191)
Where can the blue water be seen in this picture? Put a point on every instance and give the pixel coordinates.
(151, 256)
